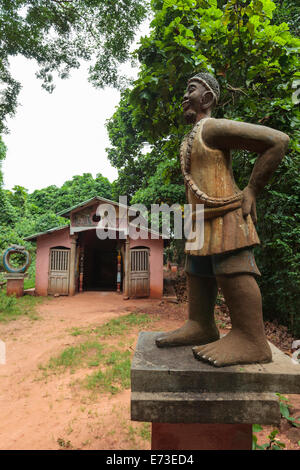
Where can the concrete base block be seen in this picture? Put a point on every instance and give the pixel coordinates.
(245, 408)
(15, 284)
(176, 370)
(185, 436)
(194, 405)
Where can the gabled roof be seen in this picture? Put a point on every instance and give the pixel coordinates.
(66, 213)
(88, 202)
(35, 235)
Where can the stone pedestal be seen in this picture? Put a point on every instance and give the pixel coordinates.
(193, 405)
(15, 284)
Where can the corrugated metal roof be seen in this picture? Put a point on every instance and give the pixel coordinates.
(66, 212)
(32, 237)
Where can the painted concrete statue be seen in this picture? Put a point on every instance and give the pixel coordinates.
(226, 259)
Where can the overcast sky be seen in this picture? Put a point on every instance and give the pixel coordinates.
(56, 136)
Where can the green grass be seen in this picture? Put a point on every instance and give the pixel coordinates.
(89, 353)
(112, 363)
(115, 327)
(115, 377)
(11, 307)
(112, 376)
(64, 444)
(76, 331)
(145, 431)
(140, 430)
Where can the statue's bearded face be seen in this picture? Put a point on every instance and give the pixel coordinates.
(192, 101)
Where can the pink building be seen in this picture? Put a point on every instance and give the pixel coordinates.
(73, 258)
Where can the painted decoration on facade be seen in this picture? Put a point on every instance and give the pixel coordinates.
(84, 218)
(87, 218)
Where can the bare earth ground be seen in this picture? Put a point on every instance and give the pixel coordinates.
(54, 411)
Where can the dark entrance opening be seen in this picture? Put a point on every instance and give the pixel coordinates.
(100, 262)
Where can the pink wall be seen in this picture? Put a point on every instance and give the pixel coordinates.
(156, 263)
(44, 243)
(62, 238)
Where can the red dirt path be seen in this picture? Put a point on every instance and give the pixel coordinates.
(36, 413)
(51, 413)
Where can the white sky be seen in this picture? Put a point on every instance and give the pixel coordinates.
(56, 136)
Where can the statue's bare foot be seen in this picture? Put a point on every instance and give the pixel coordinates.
(234, 348)
(189, 334)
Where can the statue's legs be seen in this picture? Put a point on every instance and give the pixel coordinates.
(200, 327)
(246, 343)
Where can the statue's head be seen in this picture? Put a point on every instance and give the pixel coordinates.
(202, 95)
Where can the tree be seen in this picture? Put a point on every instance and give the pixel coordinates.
(253, 53)
(72, 192)
(42, 200)
(60, 33)
(2, 157)
(7, 212)
(23, 214)
(18, 198)
(238, 43)
(141, 168)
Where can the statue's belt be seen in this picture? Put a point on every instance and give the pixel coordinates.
(213, 212)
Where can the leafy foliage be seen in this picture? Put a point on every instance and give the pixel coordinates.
(273, 444)
(2, 157)
(285, 406)
(288, 11)
(72, 192)
(146, 174)
(252, 49)
(60, 33)
(24, 214)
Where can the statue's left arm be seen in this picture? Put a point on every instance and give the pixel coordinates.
(269, 143)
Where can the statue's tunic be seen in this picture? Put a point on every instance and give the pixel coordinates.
(209, 180)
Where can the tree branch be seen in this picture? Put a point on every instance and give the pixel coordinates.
(231, 88)
(63, 1)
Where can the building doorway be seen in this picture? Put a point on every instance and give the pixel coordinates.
(99, 262)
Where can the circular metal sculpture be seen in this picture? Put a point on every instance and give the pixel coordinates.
(7, 254)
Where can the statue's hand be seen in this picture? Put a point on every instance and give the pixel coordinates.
(249, 203)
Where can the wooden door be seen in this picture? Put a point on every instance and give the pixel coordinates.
(59, 270)
(139, 272)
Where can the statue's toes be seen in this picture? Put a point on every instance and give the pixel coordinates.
(200, 353)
